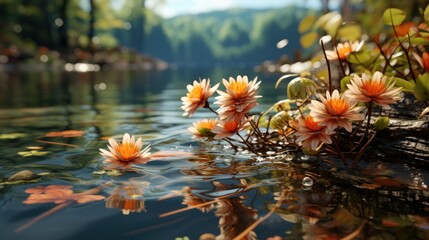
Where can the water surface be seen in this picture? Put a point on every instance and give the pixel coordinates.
(233, 189)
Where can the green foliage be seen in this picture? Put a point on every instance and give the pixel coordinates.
(393, 16)
(421, 90)
(234, 35)
(381, 123)
(407, 86)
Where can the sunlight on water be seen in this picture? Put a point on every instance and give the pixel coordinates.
(55, 128)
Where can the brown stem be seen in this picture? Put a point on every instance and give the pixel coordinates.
(329, 67)
(359, 155)
(207, 105)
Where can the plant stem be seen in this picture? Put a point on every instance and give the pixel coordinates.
(329, 67)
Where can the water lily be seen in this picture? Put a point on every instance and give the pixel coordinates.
(197, 96)
(335, 111)
(311, 133)
(240, 97)
(203, 128)
(343, 50)
(373, 88)
(228, 128)
(125, 153)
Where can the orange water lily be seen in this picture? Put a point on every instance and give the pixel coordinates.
(373, 88)
(228, 128)
(203, 128)
(343, 50)
(335, 111)
(240, 97)
(122, 154)
(311, 133)
(197, 96)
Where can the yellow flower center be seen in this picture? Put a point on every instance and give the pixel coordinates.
(239, 87)
(207, 124)
(344, 51)
(311, 124)
(336, 106)
(373, 88)
(197, 92)
(231, 126)
(127, 150)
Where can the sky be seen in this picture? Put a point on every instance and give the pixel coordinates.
(171, 8)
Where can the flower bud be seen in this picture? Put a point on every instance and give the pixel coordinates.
(280, 120)
(381, 123)
(300, 88)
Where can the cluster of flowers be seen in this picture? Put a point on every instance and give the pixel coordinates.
(234, 106)
(314, 124)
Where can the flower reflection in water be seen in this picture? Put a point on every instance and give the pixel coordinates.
(128, 197)
(333, 208)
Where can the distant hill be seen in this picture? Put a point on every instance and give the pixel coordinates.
(232, 36)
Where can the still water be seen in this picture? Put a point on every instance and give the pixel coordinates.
(293, 199)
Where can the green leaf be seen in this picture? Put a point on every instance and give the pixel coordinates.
(406, 85)
(344, 81)
(12, 135)
(33, 153)
(306, 23)
(393, 16)
(421, 90)
(359, 57)
(426, 14)
(350, 32)
(284, 105)
(419, 41)
(381, 123)
(308, 39)
(327, 19)
(283, 78)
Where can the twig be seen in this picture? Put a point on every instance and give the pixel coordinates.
(43, 215)
(187, 208)
(57, 143)
(243, 234)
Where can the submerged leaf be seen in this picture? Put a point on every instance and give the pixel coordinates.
(66, 134)
(12, 135)
(58, 194)
(33, 153)
(22, 175)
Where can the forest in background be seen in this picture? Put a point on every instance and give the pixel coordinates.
(75, 27)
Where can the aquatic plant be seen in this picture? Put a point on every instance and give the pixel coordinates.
(125, 153)
(320, 107)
